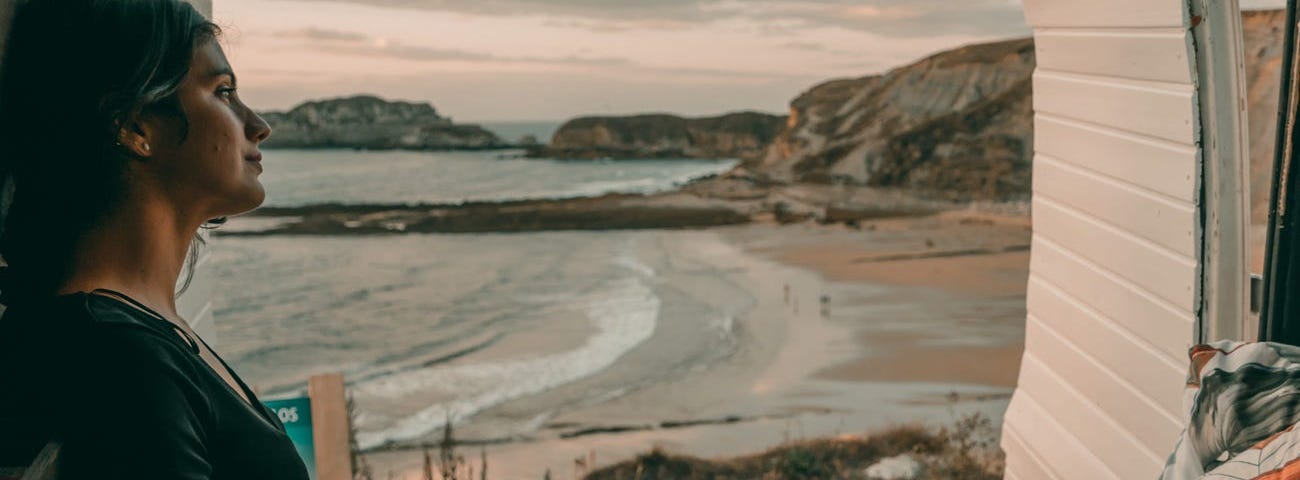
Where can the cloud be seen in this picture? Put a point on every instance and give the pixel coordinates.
(897, 18)
(359, 44)
(598, 9)
(592, 26)
(717, 73)
(319, 34)
(804, 46)
(822, 48)
(484, 96)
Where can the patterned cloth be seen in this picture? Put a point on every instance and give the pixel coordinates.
(1241, 409)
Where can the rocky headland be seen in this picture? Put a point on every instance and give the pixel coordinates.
(956, 125)
(738, 135)
(949, 131)
(369, 122)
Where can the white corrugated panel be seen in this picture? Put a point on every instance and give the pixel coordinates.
(1115, 260)
(1164, 167)
(1159, 110)
(1154, 218)
(1021, 462)
(1141, 55)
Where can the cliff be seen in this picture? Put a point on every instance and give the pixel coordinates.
(956, 125)
(369, 122)
(1262, 32)
(735, 135)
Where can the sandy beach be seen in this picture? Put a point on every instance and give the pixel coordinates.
(845, 330)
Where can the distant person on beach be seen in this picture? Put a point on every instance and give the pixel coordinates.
(121, 135)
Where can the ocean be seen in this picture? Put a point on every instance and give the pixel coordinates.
(302, 177)
(513, 131)
(432, 327)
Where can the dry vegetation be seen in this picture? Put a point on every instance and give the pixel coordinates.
(964, 451)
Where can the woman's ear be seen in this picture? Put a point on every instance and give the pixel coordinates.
(134, 140)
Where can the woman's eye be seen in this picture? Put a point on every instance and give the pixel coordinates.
(225, 93)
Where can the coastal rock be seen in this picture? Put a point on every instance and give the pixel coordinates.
(369, 122)
(739, 135)
(606, 212)
(956, 125)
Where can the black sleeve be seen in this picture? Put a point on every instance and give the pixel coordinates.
(139, 415)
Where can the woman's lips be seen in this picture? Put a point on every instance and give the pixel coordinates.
(255, 159)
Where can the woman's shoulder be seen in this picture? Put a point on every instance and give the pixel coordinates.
(58, 350)
(82, 325)
(107, 382)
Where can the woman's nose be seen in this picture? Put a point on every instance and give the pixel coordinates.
(257, 128)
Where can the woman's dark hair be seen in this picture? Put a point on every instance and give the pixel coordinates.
(76, 72)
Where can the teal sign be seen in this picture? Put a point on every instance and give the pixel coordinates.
(295, 414)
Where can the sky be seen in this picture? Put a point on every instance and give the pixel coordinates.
(519, 60)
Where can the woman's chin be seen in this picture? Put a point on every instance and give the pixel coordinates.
(257, 199)
(247, 202)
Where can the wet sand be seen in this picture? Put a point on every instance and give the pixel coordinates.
(974, 268)
(849, 330)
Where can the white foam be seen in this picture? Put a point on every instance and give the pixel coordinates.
(623, 314)
(631, 263)
(650, 184)
(725, 325)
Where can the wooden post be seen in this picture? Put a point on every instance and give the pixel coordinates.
(329, 420)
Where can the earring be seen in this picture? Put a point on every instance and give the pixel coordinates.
(146, 147)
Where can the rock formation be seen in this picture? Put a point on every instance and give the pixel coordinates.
(956, 125)
(736, 135)
(369, 122)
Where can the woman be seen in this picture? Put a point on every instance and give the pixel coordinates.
(121, 134)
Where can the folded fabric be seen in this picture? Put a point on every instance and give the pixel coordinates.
(1241, 408)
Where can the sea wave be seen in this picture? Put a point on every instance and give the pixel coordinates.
(623, 313)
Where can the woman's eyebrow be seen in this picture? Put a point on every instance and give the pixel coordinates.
(224, 71)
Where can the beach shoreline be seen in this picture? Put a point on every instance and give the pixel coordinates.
(724, 200)
(877, 330)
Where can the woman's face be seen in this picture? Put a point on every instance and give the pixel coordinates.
(212, 170)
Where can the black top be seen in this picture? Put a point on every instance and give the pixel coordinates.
(127, 397)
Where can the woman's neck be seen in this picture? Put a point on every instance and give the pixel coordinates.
(138, 249)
